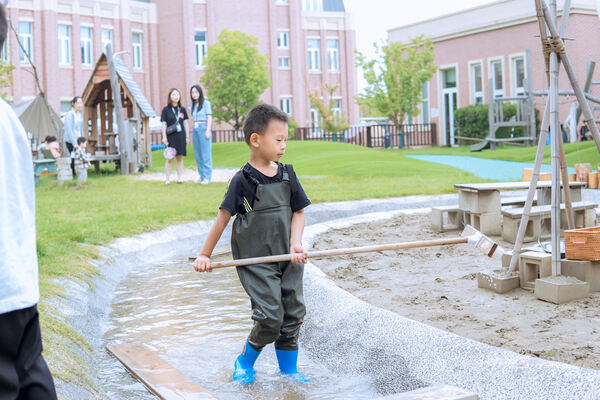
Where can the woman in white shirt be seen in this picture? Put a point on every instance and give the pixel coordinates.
(73, 127)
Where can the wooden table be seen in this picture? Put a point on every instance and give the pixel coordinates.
(481, 205)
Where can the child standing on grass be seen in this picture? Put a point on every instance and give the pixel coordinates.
(82, 160)
(269, 203)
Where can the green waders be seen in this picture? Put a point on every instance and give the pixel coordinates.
(275, 289)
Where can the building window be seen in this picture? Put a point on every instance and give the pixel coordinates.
(497, 78)
(477, 83)
(336, 109)
(65, 107)
(136, 43)
(4, 55)
(314, 55)
(333, 58)
(285, 103)
(64, 44)
(201, 47)
(519, 75)
(26, 39)
(107, 38)
(86, 45)
(314, 117)
(283, 39)
(281, 2)
(425, 103)
(311, 5)
(284, 63)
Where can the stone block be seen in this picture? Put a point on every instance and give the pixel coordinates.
(510, 229)
(590, 217)
(479, 203)
(506, 256)
(534, 265)
(499, 281)
(587, 271)
(560, 289)
(446, 218)
(437, 392)
(487, 223)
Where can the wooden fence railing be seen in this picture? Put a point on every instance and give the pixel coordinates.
(377, 136)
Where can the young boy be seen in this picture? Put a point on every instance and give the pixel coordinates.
(269, 203)
(82, 159)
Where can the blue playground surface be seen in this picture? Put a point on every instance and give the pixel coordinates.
(498, 170)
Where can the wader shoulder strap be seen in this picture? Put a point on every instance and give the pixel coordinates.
(244, 178)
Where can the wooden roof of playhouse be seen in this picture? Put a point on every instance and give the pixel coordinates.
(100, 81)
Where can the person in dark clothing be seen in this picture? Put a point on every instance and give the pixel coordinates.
(24, 374)
(175, 132)
(269, 203)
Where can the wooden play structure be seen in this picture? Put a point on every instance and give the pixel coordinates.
(100, 118)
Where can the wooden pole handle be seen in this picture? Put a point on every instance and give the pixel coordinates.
(337, 252)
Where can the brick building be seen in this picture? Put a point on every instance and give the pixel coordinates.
(309, 43)
(490, 42)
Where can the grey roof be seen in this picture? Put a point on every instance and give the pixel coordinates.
(334, 5)
(133, 88)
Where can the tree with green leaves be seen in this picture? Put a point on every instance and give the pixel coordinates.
(5, 77)
(329, 122)
(235, 76)
(395, 79)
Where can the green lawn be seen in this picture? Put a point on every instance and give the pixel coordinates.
(71, 222)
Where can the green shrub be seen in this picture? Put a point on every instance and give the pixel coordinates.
(473, 121)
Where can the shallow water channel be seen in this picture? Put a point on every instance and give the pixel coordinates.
(198, 323)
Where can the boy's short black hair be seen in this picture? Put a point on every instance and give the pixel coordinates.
(80, 140)
(3, 25)
(50, 139)
(257, 120)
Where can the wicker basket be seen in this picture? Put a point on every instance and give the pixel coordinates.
(583, 244)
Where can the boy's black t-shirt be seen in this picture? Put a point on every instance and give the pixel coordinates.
(236, 191)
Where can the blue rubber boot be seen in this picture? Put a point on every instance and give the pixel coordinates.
(243, 371)
(288, 364)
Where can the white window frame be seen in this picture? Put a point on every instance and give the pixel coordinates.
(283, 65)
(283, 39)
(285, 103)
(313, 54)
(103, 39)
(86, 45)
(137, 50)
(26, 40)
(513, 73)
(491, 74)
(200, 48)
(314, 118)
(426, 103)
(5, 50)
(337, 111)
(64, 45)
(333, 54)
(312, 5)
(473, 94)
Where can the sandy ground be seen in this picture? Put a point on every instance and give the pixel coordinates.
(189, 175)
(438, 286)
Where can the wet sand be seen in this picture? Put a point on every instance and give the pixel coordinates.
(438, 287)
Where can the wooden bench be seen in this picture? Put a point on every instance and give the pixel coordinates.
(539, 225)
(452, 214)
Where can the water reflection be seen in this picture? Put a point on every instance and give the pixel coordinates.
(198, 323)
